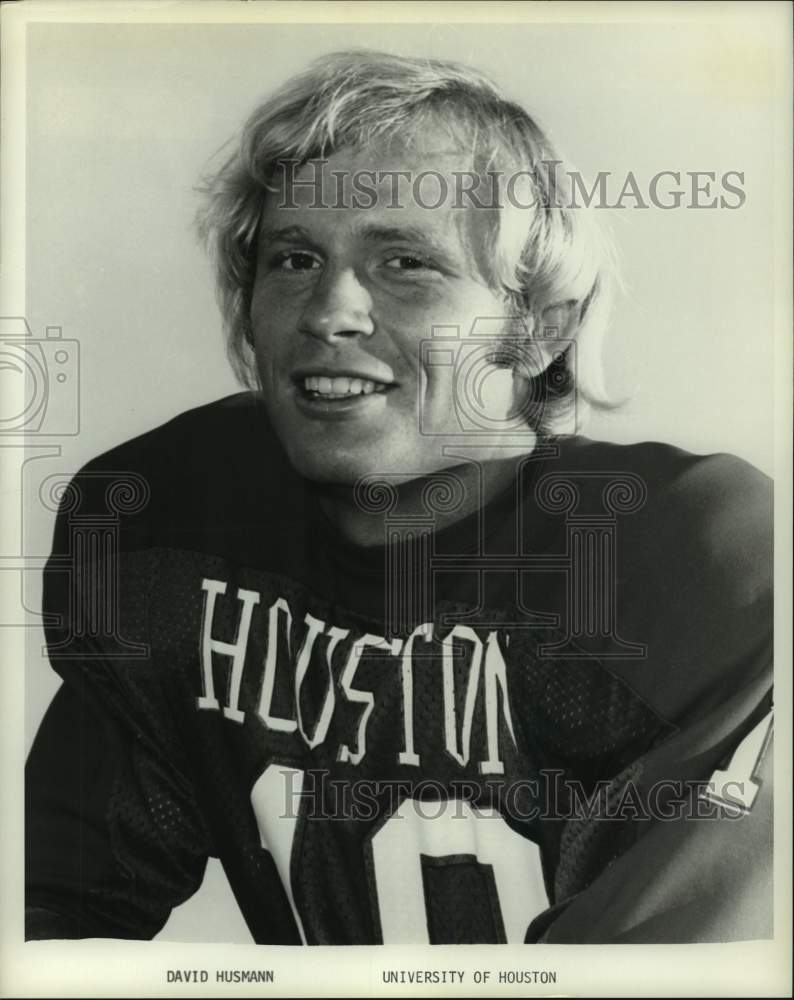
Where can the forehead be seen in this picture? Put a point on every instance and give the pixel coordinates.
(381, 163)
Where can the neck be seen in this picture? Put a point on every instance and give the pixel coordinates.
(447, 496)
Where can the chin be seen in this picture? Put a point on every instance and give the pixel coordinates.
(322, 467)
(345, 470)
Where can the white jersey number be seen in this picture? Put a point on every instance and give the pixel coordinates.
(422, 835)
(736, 788)
(415, 840)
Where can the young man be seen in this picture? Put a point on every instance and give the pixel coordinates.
(413, 665)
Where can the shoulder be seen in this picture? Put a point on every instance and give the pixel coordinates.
(693, 571)
(664, 466)
(713, 510)
(223, 428)
(209, 470)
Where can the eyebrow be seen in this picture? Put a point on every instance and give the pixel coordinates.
(409, 234)
(285, 234)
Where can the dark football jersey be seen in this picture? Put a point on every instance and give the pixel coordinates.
(518, 728)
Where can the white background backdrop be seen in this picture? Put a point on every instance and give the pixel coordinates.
(122, 119)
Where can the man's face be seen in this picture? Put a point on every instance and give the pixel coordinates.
(344, 298)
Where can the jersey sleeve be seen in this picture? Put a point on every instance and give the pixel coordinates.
(700, 869)
(696, 865)
(115, 834)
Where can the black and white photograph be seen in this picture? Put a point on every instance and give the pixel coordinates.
(396, 442)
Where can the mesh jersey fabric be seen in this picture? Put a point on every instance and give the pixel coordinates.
(500, 762)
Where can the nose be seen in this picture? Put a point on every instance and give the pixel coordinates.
(340, 306)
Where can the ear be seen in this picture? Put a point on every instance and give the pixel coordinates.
(553, 331)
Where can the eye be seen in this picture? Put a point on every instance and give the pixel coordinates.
(407, 262)
(296, 260)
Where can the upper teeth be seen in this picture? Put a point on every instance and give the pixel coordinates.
(340, 385)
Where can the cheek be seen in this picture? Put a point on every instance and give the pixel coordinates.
(272, 318)
(437, 383)
(443, 376)
(407, 323)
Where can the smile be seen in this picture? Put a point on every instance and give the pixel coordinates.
(340, 386)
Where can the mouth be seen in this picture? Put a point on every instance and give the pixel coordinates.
(325, 387)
